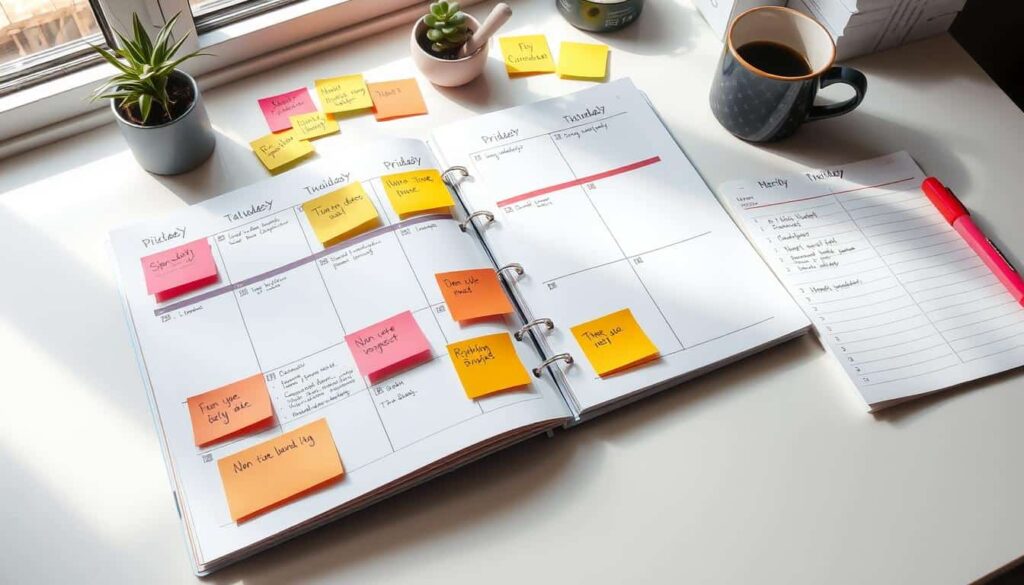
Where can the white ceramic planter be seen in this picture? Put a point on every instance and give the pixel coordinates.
(442, 71)
(175, 147)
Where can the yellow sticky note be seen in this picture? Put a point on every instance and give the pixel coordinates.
(417, 192)
(347, 93)
(582, 60)
(276, 151)
(313, 125)
(341, 214)
(282, 469)
(614, 342)
(488, 364)
(526, 54)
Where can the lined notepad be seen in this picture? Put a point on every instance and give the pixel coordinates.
(894, 292)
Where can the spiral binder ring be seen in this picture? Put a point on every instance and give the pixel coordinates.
(563, 357)
(461, 170)
(469, 220)
(513, 266)
(547, 323)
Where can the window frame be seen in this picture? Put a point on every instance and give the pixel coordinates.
(287, 30)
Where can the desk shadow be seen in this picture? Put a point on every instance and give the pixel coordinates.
(61, 156)
(921, 63)
(495, 486)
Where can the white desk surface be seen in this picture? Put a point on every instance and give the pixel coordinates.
(768, 471)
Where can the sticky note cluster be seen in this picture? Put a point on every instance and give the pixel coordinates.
(488, 364)
(529, 54)
(388, 347)
(614, 342)
(238, 408)
(473, 294)
(341, 214)
(280, 470)
(179, 270)
(294, 119)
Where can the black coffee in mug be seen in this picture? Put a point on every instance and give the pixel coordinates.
(774, 58)
(774, 61)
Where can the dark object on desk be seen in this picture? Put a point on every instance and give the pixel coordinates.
(990, 33)
(765, 104)
(600, 15)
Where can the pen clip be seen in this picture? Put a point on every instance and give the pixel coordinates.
(1001, 255)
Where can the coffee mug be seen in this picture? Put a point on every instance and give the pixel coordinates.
(773, 63)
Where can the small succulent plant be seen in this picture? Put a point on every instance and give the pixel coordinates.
(446, 27)
(144, 67)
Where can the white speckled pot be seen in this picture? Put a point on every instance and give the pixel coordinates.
(441, 71)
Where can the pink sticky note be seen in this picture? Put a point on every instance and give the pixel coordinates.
(174, 272)
(394, 344)
(277, 108)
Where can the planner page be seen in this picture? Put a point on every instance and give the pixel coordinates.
(292, 318)
(895, 294)
(643, 273)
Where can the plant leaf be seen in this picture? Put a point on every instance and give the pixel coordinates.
(434, 34)
(430, 20)
(141, 36)
(111, 59)
(145, 104)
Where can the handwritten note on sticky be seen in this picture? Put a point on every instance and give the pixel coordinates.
(473, 294)
(313, 125)
(396, 99)
(387, 347)
(347, 93)
(582, 60)
(614, 342)
(231, 410)
(526, 55)
(278, 108)
(341, 214)
(417, 192)
(179, 270)
(282, 469)
(276, 151)
(488, 364)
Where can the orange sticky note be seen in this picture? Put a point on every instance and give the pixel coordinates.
(473, 294)
(231, 410)
(488, 364)
(614, 342)
(417, 192)
(396, 99)
(280, 470)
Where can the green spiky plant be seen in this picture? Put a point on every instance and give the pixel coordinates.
(145, 67)
(446, 27)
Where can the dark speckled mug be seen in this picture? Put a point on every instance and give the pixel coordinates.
(759, 106)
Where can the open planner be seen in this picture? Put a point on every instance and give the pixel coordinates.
(321, 340)
(894, 293)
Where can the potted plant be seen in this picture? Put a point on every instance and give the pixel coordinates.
(450, 46)
(158, 107)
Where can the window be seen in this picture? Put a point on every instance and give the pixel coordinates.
(39, 34)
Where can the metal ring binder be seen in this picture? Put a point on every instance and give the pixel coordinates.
(454, 169)
(522, 330)
(564, 357)
(465, 224)
(514, 266)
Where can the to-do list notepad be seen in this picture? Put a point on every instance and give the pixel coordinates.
(894, 292)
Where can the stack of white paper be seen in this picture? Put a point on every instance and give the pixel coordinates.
(866, 26)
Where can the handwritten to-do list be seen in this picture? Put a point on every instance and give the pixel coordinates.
(417, 192)
(313, 125)
(488, 364)
(473, 294)
(387, 347)
(274, 472)
(277, 151)
(341, 214)
(526, 55)
(231, 410)
(278, 109)
(396, 99)
(347, 93)
(179, 270)
(614, 342)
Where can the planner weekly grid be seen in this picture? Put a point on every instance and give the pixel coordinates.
(893, 291)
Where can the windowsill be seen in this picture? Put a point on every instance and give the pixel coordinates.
(61, 107)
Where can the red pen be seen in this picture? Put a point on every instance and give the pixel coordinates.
(958, 216)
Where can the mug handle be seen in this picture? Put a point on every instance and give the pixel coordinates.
(849, 76)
